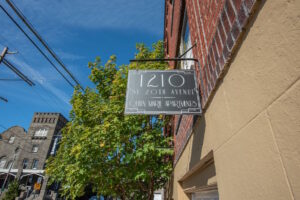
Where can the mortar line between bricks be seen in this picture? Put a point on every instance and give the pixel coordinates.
(203, 31)
(236, 14)
(229, 34)
(214, 66)
(220, 38)
(223, 27)
(227, 16)
(198, 30)
(245, 9)
(219, 35)
(214, 46)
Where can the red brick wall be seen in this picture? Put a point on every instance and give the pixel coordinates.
(215, 26)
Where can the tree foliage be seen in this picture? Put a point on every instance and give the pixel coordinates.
(120, 156)
(12, 191)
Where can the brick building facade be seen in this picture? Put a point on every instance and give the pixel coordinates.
(246, 143)
(23, 154)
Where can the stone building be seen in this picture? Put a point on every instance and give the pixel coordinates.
(23, 154)
(246, 144)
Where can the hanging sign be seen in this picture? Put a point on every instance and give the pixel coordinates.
(153, 92)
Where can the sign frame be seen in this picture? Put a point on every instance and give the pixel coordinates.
(183, 111)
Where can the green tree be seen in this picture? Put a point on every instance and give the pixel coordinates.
(12, 191)
(121, 156)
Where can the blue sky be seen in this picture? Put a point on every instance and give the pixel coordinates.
(77, 31)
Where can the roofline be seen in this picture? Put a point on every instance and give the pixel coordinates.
(16, 126)
(51, 113)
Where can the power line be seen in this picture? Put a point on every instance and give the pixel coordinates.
(6, 79)
(45, 100)
(18, 72)
(3, 99)
(34, 31)
(13, 68)
(36, 46)
(43, 88)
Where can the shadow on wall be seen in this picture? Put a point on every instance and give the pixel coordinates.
(201, 172)
(197, 143)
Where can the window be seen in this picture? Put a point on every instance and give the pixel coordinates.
(30, 179)
(11, 139)
(35, 148)
(185, 44)
(2, 162)
(17, 150)
(39, 180)
(54, 147)
(157, 197)
(41, 133)
(9, 164)
(25, 163)
(35, 164)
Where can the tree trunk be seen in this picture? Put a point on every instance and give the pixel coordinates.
(123, 194)
(151, 190)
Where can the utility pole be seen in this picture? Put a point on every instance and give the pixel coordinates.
(1, 58)
(3, 54)
(13, 68)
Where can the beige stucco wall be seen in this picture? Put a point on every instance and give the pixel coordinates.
(253, 121)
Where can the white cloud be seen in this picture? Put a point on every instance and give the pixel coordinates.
(37, 77)
(68, 56)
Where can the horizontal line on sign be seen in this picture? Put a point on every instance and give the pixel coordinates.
(163, 97)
